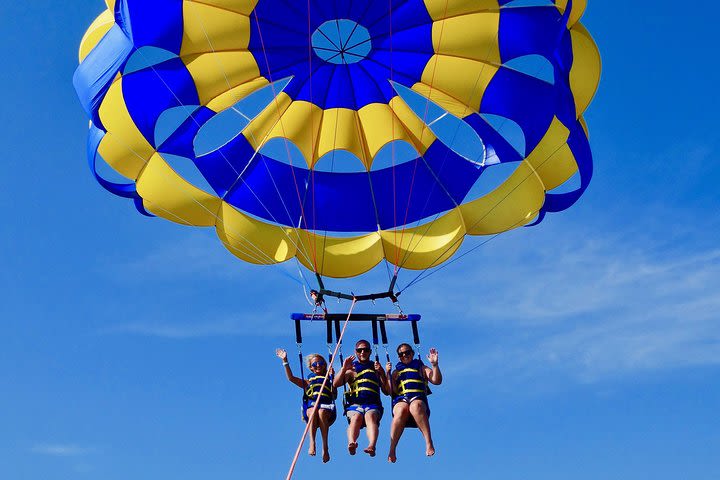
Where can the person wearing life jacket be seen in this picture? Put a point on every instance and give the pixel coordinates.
(366, 380)
(410, 390)
(326, 414)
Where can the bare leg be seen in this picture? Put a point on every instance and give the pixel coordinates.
(401, 412)
(418, 410)
(356, 421)
(372, 421)
(313, 431)
(324, 420)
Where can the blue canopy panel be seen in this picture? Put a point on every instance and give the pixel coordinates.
(95, 74)
(429, 185)
(222, 167)
(338, 202)
(528, 101)
(529, 31)
(180, 142)
(580, 147)
(158, 23)
(151, 91)
(280, 43)
(492, 138)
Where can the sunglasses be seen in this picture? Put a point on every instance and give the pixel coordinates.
(363, 350)
(318, 364)
(406, 353)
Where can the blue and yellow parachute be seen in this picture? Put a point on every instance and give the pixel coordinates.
(341, 88)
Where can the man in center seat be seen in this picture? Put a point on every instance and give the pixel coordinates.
(366, 379)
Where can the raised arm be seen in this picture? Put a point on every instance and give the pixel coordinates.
(434, 375)
(282, 355)
(346, 371)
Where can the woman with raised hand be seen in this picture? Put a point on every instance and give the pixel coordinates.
(410, 390)
(315, 396)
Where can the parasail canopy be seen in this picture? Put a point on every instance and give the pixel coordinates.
(342, 133)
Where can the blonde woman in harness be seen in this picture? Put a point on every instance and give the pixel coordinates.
(410, 390)
(326, 414)
(366, 380)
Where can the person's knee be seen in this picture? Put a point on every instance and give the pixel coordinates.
(418, 408)
(372, 418)
(401, 410)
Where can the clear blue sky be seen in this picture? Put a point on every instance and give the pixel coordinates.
(587, 348)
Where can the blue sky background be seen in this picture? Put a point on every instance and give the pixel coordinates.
(586, 348)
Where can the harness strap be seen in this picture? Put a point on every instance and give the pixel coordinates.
(375, 339)
(383, 336)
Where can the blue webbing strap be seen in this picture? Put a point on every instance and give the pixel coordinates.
(383, 336)
(375, 339)
(298, 340)
(416, 338)
(342, 361)
(329, 331)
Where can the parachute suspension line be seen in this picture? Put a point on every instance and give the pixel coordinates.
(252, 134)
(303, 218)
(261, 257)
(533, 172)
(445, 156)
(312, 145)
(366, 161)
(306, 285)
(269, 260)
(392, 150)
(322, 387)
(222, 68)
(332, 167)
(425, 274)
(422, 134)
(457, 128)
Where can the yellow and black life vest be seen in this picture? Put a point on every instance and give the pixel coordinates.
(315, 383)
(411, 379)
(365, 387)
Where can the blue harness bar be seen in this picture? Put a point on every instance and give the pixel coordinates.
(357, 317)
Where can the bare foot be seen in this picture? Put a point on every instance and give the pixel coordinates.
(326, 456)
(311, 450)
(391, 457)
(370, 451)
(430, 451)
(352, 448)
